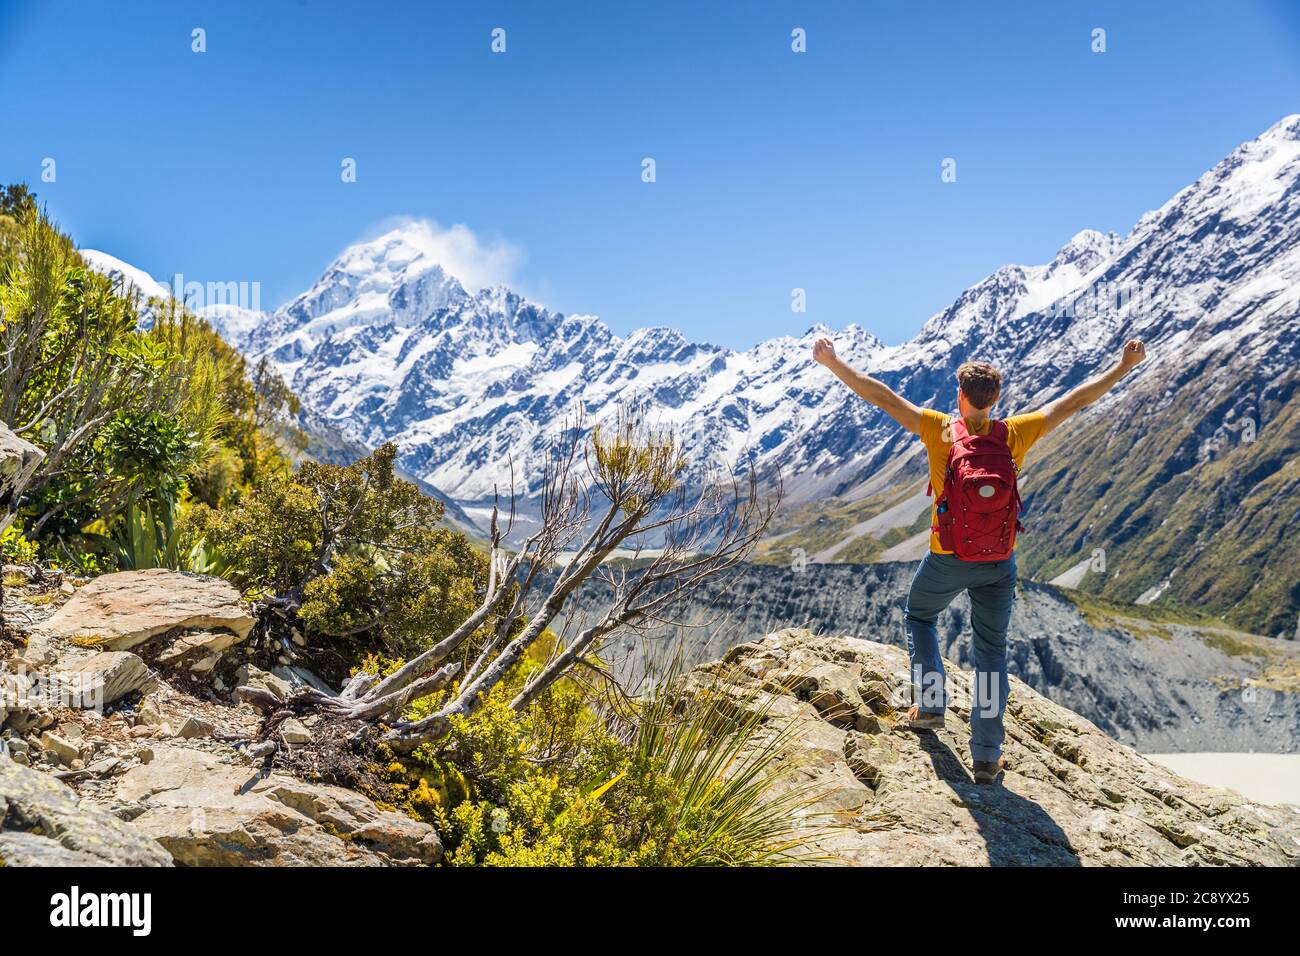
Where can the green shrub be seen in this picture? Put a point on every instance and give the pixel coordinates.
(130, 406)
(14, 548)
(684, 780)
(354, 551)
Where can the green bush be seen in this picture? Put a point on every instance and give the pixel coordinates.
(353, 551)
(14, 548)
(684, 780)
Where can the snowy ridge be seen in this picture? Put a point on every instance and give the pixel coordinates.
(132, 280)
(387, 345)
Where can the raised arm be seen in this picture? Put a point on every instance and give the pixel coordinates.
(877, 393)
(1082, 396)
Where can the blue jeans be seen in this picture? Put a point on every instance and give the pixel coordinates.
(992, 587)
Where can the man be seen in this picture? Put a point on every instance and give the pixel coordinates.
(942, 575)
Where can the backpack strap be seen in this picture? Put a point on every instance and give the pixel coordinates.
(998, 429)
(954, 422)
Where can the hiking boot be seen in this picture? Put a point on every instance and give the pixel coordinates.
(988, 771)
(918, 720)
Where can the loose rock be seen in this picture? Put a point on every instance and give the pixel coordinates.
(195, 727)
(102, 679)
(63, 750)
(250, 676)
(206, 813)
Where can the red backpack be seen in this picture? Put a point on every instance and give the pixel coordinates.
(978, 515)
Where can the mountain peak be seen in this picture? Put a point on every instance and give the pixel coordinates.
(1086, 249)
(1288, 127)
(395, 251)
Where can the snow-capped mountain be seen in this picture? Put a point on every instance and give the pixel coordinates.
(387, 345)
(128, 275)
(390, 347)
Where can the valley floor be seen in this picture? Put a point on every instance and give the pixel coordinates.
(1268, 778)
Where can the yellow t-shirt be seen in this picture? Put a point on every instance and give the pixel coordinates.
(1022, 432)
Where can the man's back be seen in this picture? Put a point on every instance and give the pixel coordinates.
(1022, 432)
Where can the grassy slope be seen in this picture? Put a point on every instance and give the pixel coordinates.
(1164, 488)
(824, 523)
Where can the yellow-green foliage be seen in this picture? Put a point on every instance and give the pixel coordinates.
(131, 404)
(685, 784)
(14, 548)
(634, 464)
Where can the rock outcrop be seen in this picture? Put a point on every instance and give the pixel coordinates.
(891, 797)
(120, 611)
(159, 768)
(206, 812)
(44, 823)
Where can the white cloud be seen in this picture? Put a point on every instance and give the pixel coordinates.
(476, 261)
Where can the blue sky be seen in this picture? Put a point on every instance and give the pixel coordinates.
(775, 170)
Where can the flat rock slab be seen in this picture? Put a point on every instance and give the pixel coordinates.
(207, 813)
(893, 797)
(44, 823)
(119, 611)
(101, 679)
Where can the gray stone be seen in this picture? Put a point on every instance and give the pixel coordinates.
(19, 460)
(297, 677)
(149, 713)
(103, 679)
(44, 823)
(195, 727)
(207, 813)
(198, 646)
(64, 750)
(294, 733)
(250, 676)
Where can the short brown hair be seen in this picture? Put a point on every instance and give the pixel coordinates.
(980, 382)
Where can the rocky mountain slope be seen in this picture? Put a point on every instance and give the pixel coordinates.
(1156, 684)
(388, 345)
(885, 796)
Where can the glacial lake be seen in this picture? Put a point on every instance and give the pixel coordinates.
(1266, 778)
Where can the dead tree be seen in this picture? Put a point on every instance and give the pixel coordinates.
(623, 486)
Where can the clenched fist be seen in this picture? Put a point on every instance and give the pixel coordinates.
(1133, 353)
(824, 351)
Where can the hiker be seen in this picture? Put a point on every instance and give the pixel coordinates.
(973, 525)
